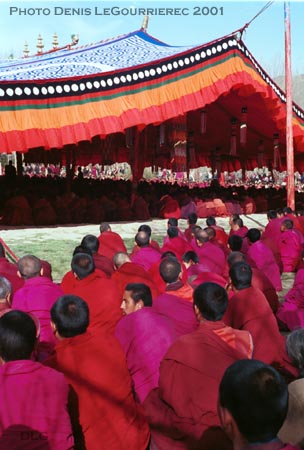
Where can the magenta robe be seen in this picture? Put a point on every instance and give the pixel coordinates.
(37, 297)
(144, 350)
(262, 258)
(146, 257)
(179, 311)
(33, 408)
(291, 312)
(211, 256)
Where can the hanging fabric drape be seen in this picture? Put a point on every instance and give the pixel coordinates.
(233, 148)
(276, 152)
(243, 127)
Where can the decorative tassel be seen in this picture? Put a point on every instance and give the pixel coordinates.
(243, 127)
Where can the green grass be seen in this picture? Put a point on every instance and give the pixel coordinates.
(57, 252)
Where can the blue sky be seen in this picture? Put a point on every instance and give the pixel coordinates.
(198, 22)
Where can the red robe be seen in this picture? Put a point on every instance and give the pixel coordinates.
(133, 273)
(9, 270)
(102, 296)
(260, 256)
(291, 250)
(110, 243)
(260, 281)
(249, 310)
(94, 365)
(177, 245)
(104, 264)
(182, 412)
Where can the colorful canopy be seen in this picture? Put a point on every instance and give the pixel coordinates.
(81, 95)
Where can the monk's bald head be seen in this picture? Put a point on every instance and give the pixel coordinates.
(201, 236)
(211, 232)
(120, 258)
(29, 266)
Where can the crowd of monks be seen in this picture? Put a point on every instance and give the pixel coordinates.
(50, 201)
(129, 350)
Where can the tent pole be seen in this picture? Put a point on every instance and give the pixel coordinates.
(289, 131)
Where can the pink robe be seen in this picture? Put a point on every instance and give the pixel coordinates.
(178, 310)
(144, 350)
(37, 297)
(291, 312)
(291, 250)
(33, 409)
(211, 256)
(146, 257)
(262, 258)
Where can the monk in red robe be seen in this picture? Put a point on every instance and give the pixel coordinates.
(290, 246)
(109, 242)
(128, 272)
(146, 255)
(238, 228)
(101, 262)
(209, 254)
(94, 366)
(220, 233)
(153, 243)
(101, 294)
(175, 243)
(182, 412)
(199, 273)
(169, 207)
(249, 310)
(191, 221)
(9, 271)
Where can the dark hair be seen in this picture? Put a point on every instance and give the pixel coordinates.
(241, 275)
(142, 239)
(172, 222)
(145, 228)
(295, 349)
(211, 232)
(253, 235)
(238, 221)
(287, 210)
(91, 242)
(210, 221)
(235, 257)
(256, 396)
(272, 214)
(172, 232)
(82, 265)
(104, 226)
(288, 224)
(17, 336)
(235, 242)
(29, 266)
(168, 253)
(211, 300)
(191, 256)
(170, 269)
(81, 249)
(140, 291)
(192, 218)
(70, 314)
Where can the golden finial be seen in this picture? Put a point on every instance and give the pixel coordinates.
(145, 23)
(55, 41)
(26, 49)
(40, 44)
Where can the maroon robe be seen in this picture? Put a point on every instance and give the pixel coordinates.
(291, 250)
(249, 310)
(260, 281)
(182, 412)
(133, 273)
(104, 264)
(177, 245)
(9, 270)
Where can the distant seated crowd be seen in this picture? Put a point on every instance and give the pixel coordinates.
(169, 347)
(47, 201)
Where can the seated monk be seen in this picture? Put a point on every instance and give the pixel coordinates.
(291, 312)
(33, 412)
(290, 246)
(173, 302)
(5, 295)
(128, 272)
(156, 276)
(110, 242)
(147, 229)
(100, 293)
(169, 207)
(258, 281)
(182, 412)
(209, 254)
(238, 228)
(10, 271)
(191, 221)
(175, 243)
(36, 297)
(253, 401)
(173, 222)
(44, 213)
(17, 211)
(198, 273)
(144, 350)
(101, 262)
(249, 310)
(220, 233)
(146, 255)
(103, 411)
